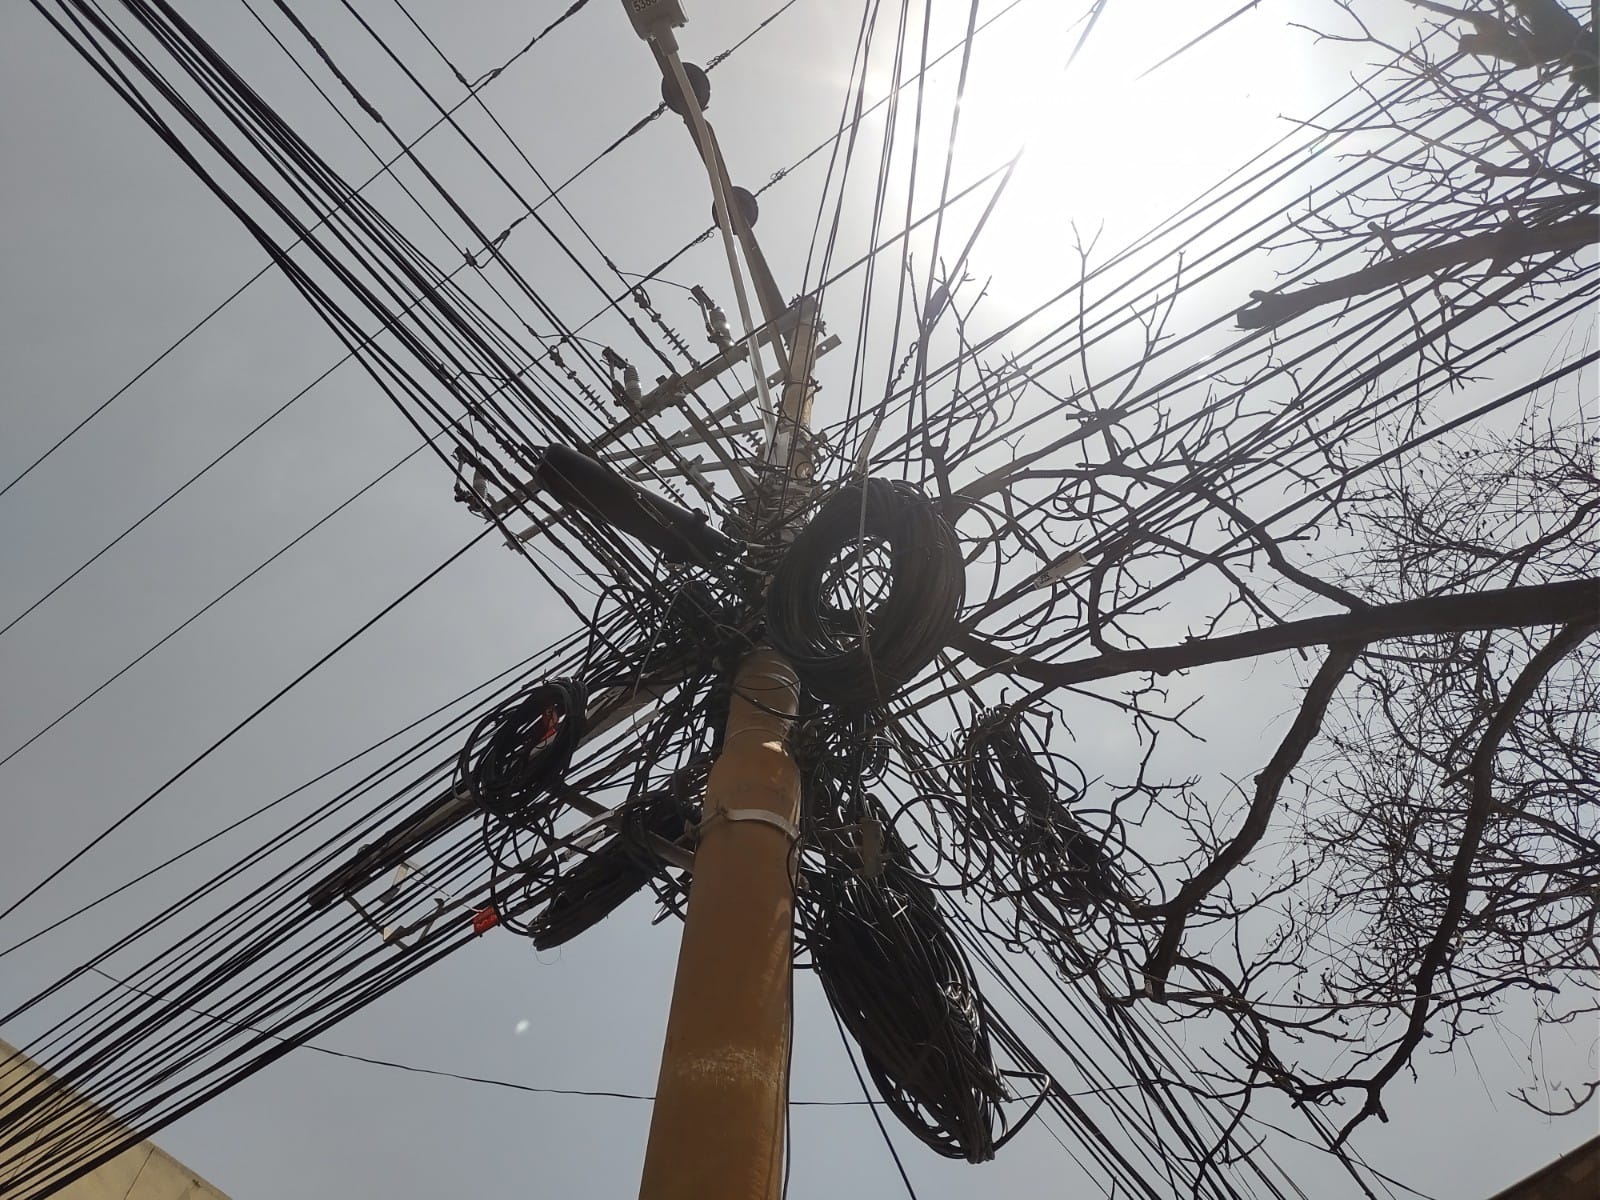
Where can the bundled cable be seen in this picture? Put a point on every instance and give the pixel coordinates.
(613, 500)
(588, 893)
(905, 991)
(520, 746)
(867, 594)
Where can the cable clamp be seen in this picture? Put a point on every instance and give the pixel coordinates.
(789, 829)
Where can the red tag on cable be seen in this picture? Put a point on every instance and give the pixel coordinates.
(484, 920)
(546, 726)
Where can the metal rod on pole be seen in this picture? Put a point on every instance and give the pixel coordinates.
(705, 143)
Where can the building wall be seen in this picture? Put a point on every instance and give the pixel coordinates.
(145, 1172)
(1573, 1176)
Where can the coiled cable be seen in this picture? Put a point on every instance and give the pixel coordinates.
(867, 593)
(1042, 856)
(520, 746)
(905, 991)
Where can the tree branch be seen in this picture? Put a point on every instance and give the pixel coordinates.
(1504, 608)
(1268, 784)
(1501, 245)
(1459, 883)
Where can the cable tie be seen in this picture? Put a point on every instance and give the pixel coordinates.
(789, 829)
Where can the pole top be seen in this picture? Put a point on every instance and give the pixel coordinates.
(654, 20)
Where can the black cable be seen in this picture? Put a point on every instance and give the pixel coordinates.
(867, 593)
(256, 712)
(520, 748)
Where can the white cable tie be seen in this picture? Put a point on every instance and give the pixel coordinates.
(1051, 574)
(760, 727)
(785, 678)
(789, 828)
(866, 447)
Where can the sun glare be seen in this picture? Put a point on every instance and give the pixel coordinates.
(1104, 150)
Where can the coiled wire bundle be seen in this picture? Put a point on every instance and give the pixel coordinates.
(867, 594)
(904, 990)
(520, 746)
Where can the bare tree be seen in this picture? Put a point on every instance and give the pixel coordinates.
(1499, 190)
(1424, 842)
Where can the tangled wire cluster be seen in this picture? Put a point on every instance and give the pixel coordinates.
(615, 869)
(904, 990)
(1036, 850)
(867, 594)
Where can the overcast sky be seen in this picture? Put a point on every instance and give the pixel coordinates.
(111, 250)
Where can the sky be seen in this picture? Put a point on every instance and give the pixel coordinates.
(111, 250)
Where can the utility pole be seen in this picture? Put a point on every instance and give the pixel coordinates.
(716, 1132)
(717, 1128)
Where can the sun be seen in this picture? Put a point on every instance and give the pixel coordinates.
(1105, 149)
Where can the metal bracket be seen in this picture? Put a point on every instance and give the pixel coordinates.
(789, 829)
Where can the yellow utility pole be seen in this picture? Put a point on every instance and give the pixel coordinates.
(716, 1132)
(717, 1128)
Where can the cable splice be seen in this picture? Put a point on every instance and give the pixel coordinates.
(591, 891)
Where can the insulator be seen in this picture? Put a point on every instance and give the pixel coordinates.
(717, 328)
(699, 83)
(741, 201)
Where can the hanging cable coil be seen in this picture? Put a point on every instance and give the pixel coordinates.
(867, 594)
(905, 991)
(520, 746)
(1041, 853)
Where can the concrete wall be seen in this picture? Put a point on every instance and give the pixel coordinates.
(144, 1172)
